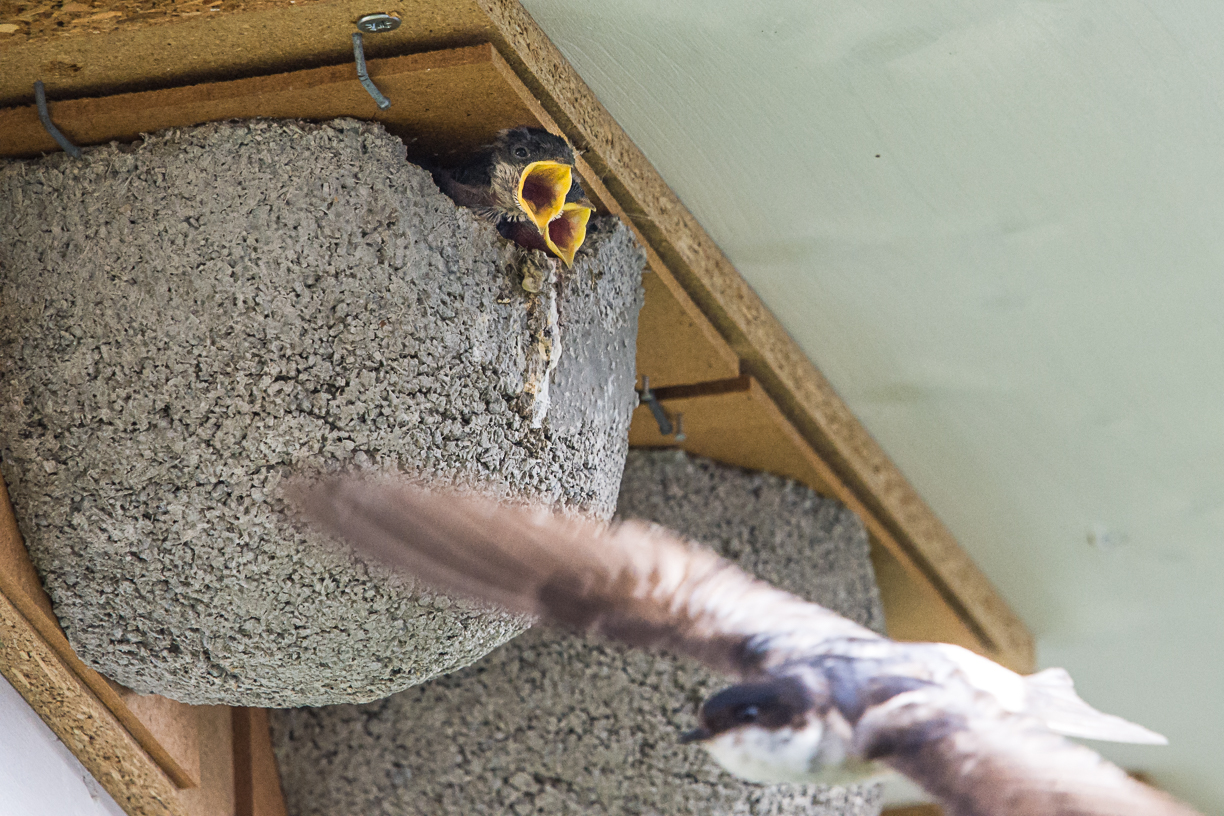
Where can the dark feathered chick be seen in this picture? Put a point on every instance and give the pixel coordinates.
(524, 183)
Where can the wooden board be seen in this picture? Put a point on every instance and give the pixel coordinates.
(676, 345)
(171, 724)
(444, 105)
(257, 784)
(186, 42)
(215, 796)
(735, 422)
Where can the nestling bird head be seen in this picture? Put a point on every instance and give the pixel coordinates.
(534, 169)
(523, 145)
(524, 183)
(776, 731)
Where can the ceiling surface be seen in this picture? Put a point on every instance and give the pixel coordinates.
(998, 228)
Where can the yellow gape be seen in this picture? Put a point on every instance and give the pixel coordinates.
(567, 231)
(542, 188)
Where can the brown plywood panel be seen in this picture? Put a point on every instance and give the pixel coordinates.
(914, 609)
(173, 725)
(16, 572)
(735, 422)
(215, 795)
(257, 787)
(444, 105)
(735, 425)
(146, 44)
(677, 345)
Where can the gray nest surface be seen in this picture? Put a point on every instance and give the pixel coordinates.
(552, 724)
(187, 321)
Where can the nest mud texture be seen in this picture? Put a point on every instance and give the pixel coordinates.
(550, 724)
(186, 322)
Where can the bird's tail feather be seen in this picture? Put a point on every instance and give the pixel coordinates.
(1052, 699)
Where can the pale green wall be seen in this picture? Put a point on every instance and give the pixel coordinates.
(1022, 296)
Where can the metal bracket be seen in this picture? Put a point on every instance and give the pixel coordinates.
(44, 115)
(666, 428)
(359, 54)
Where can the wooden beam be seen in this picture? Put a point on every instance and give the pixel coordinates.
(215, 795)
(134, 51)
(736, 422)
(447, 104)
(172, 726)
(257, 785)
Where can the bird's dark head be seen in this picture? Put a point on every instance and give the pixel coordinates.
(776, 703)
(776, 730)
(522, 145)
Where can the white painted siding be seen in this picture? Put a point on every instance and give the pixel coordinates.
(39, 776)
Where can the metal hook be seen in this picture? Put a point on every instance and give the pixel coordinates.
(44, 115)
(359, 54)
(645, 395)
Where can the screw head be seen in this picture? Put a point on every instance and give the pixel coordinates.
(378, 23)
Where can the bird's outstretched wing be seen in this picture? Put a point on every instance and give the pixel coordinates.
(644, 587)
(980, 760)
(630, 582)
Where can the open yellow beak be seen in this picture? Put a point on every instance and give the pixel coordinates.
(542, 188)
(567, 231)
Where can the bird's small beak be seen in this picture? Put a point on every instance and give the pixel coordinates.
(542, 188)
(567, 231)
(696, 735)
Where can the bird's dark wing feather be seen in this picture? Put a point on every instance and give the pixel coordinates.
(644, 587)
(980, 760)
(631, 583)
(465, 193)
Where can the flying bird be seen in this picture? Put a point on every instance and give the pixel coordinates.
(524, 183)
(819, 698)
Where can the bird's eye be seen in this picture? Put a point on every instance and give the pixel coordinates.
(521, 152)
(748, 713)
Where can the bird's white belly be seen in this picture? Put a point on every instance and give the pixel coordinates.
(788, 755)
